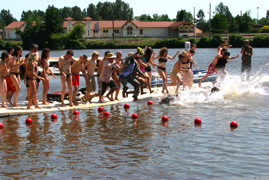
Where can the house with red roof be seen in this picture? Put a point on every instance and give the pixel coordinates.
(122, 28)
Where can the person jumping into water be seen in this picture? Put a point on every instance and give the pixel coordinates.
(217, 64)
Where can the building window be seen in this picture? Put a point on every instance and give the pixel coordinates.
(8, 34)
(141, 31)
(95, 31)
(129, 30)
(105, 31)
(5, 35)
(88, 32)
(116, 31)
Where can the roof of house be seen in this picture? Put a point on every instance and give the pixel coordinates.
(69, 18)
(87, 18)
(15, 24)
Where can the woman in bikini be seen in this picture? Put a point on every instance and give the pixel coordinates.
(32, 75)
(15, 72)
(3, 72)
(163, 57)
(45, 74)
(186, 61)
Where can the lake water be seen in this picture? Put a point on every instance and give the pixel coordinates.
(91, 146)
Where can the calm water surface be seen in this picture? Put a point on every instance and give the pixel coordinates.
(92, 146)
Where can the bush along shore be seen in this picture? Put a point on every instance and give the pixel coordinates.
(69, 41)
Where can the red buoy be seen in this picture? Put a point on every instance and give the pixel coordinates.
(234, 124)
(54, 116)
(29, 121)
(107, 114)
(76, 112)
(135, 116)
(198, 121)
(150, 102)
(1, 125)
(126, 106)
(100, 109)
(165, 118)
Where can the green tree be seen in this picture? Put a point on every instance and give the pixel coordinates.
(143, 17)
(36, 14)
(183, 15)
(77, 14)
(53, 24)
(91, 11)
(65, 12)
(219, 24)
(33, 33)
(244, 23)
(6, 17)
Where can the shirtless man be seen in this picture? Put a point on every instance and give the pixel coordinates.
(75, 69)
(99, 71)
(3, 84)
(212, 67)
(89, 78)
(11, 89)
(223, 45)
(64, 65)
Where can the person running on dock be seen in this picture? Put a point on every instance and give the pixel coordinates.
(106, 76)
(247, 52)
(45, 74)
(64, 65)
(89, 77)
(99, 71)
(128, 75)
(76, 68)
(115, 74)
(3, 72)
(175, 78)
(163, 57)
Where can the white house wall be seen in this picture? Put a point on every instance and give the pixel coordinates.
(153, 32)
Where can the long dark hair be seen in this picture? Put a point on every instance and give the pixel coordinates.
(15, 52)
(44, 53)
(148, 54)
(4, 55)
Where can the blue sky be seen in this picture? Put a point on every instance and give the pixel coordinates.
(151, 7)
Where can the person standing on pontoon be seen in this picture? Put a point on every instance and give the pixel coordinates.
(247, 52)
(76, 68)
(3, 71)
(64, 65)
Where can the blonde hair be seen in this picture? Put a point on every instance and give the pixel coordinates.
(95, 53)
(31, 58)
(162, 51)
(184, 53)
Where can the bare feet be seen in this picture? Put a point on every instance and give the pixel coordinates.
(16, 105)
(75, 103)
(30, 108)
(110, 99)
(46, 103)
(90, 99)
(163, 92)
(71, 104)
(136, 99)
(116, 99)
(9, 102)
(143, 93)
(63, 105)
(4, 106)
(151, 91)
(101, 101)
(38, 107)
(199, 84)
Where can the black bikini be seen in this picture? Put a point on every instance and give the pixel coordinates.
(68, 76)
(15, 73)
(164, 61)
(187, 62)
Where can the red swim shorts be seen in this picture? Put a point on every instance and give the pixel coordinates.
(10, 86)
(75, 83)
(211, 69)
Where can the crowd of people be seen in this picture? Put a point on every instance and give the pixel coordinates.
(113, 71)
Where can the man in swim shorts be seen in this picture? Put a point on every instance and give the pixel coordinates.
(89, 78)
(76, 68)
(64, 65)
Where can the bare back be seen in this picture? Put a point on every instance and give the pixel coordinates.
(77, 67)
(91, 67)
